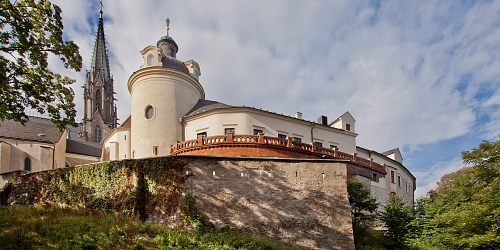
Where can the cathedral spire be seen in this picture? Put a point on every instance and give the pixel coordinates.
(100, 62)
(100, 110)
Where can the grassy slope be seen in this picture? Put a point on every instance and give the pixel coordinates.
(80, 228)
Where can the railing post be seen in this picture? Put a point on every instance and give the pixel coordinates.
(335, 152)
(354, 157)
(371, 162)
(230, 137)
(289, 143)
(200, 140)
(261, 138)
(313, 147)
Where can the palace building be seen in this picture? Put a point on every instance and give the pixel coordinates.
(170, 116)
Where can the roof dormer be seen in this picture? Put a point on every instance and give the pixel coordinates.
(152, 57)
(194, 69)
(345, 122)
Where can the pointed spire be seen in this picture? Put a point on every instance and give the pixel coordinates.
(100, 61)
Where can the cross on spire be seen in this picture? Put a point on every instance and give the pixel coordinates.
(100, 11)
(168, 24)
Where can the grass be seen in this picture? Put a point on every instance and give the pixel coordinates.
(50, 227)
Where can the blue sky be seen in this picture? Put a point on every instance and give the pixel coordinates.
(419, 75)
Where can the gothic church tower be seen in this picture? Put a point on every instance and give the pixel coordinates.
(100, 110)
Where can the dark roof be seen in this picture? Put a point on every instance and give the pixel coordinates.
(83, 148)
(174, 63)
(203, 106)
(37, 129)
(127, 123)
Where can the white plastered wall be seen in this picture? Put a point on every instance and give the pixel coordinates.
(245, 120)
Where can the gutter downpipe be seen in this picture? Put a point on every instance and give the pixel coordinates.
(312, 135)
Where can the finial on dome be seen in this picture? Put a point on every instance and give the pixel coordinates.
(168, 24)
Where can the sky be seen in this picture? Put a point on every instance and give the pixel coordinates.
(419, 75)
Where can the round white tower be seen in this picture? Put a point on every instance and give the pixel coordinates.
(162, 91)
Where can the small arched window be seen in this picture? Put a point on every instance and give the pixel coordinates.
(27, 164)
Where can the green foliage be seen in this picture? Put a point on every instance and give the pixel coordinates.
(29, 31)
(363, 206)
(53, 227)
(137, 187)
(463, 212)
(396, 217)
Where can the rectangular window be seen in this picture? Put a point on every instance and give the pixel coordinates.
(155, 150)
(297, 139)
(257, 131)
(282, 136)
(399, 181)
(374, 177)
(348, 127)
(228, 130)
(333, 147)
(204, 134)
(318, 144)
(125, 137)
(392, 177)
(406, 185)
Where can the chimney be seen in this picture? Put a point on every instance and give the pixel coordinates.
(298, 115)
(323, 120)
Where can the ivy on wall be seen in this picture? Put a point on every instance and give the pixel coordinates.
(144, 188)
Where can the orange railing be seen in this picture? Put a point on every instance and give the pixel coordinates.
(261, 139)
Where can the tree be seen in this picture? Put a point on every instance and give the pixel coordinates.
(396, 217)
(363, 212)
(30, 30)
(463, 212)
(363, 206)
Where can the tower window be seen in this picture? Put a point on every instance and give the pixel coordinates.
(150, 59)
(333, 147)
(392, 177)
(318, 144)
(150, 111)
(297, 139)
(27, 164)
(155, 150)
(97, 133)
(282, 136)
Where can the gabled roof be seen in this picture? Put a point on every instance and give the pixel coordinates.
(36, 129)
(346, 113)
(127, 123)
(83, 148)
(389, 152)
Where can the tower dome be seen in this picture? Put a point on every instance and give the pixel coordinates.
(169, 51)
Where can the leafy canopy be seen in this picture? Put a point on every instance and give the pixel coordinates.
(463, 212)
(29, 31)
(396, 217)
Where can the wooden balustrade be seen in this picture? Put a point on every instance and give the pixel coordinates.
(261, 139)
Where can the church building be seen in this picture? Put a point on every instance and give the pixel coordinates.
(99, 117)
(170, 116)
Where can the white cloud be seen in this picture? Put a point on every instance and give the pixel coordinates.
(408, 71)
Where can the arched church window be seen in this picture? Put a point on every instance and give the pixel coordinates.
(27, 164)
(97, 133)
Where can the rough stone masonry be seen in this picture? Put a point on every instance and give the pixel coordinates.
(303, 203)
